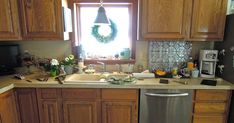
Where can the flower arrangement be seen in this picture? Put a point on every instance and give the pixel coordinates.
(54, 67)
(69, 60)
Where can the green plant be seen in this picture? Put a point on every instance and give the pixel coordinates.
(69, 60)
(54, 67)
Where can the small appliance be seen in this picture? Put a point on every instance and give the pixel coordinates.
(208, 60)
(10, 58)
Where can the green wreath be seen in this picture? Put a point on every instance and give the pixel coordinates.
(105, 39)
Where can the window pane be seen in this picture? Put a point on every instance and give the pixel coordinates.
(119, 15)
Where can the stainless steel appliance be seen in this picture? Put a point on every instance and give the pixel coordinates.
(166, 106)
(228, 59)
(208, 60)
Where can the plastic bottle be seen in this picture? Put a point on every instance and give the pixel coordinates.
(190, 64)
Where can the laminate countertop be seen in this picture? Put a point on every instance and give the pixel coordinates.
(9, 82)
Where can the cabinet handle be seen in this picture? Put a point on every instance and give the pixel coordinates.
(166, 94)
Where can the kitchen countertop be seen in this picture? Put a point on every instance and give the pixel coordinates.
(8, 82)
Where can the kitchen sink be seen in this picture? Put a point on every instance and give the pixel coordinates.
(84, 78)
(92, 78)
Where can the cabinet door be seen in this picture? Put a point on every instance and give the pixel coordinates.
(50, 106)
(165, 19)
(208, 19)
(49, 111)
(27, 105)
(42, 19)
(78, 111)
(119, 112)
(8, 112)
(9, 20)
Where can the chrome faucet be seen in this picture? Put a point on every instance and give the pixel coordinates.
(103, 66)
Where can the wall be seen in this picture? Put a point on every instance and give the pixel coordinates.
(46, 49)
(60, 49)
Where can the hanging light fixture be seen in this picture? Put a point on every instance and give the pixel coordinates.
(101, 18)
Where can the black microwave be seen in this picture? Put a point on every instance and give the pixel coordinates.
(9, 58)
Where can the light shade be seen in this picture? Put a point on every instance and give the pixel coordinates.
(101, 18)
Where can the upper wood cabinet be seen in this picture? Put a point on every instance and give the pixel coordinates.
(8, 112)
(9, 20)
(165, 19)
(208, 19)
(41, 19)
(193, 20)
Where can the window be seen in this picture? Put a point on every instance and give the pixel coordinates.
(121, 14)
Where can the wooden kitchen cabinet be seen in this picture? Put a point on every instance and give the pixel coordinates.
(9, 20)
(81, 111)
(49, 104)
(88, 105)
(208, 20)
(119, 106)
(26, 100)
(69, 105)
(81, 105)
(8, 113)
(41, 19)
(192, 20)
(165, 19)
(211, 106)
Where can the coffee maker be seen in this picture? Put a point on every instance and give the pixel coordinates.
(208, 60)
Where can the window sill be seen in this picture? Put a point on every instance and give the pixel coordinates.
(113, 62)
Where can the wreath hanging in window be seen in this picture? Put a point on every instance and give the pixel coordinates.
(105, 33)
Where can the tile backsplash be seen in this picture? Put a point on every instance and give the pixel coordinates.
(166, 54)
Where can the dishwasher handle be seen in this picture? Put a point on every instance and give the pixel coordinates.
(167, 94)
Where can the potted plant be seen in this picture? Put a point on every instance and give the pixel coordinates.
(54, 67)
(68, 63)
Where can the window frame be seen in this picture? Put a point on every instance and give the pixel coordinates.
(133, 11)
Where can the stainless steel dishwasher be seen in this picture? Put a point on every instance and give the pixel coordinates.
(166, 106)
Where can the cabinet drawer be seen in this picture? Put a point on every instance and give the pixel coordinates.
(48, 93)
(216, 95)
(210, 107)
(129, 94)
(209, 119)
(80, 93)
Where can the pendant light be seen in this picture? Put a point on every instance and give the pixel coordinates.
(101, 18)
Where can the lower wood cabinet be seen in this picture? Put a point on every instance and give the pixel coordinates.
(119, 112)
(69, 105)
(211, 106)
(49, 105)
(88, 105)
(27, 105)
(80, 111)
(119, 106)
(8, 112)
(49, 111)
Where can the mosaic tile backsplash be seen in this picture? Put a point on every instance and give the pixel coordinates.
(167, 54)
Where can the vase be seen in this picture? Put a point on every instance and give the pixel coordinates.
(53, 73)
(68, 69)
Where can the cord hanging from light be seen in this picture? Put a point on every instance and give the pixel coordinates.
(101, 18)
